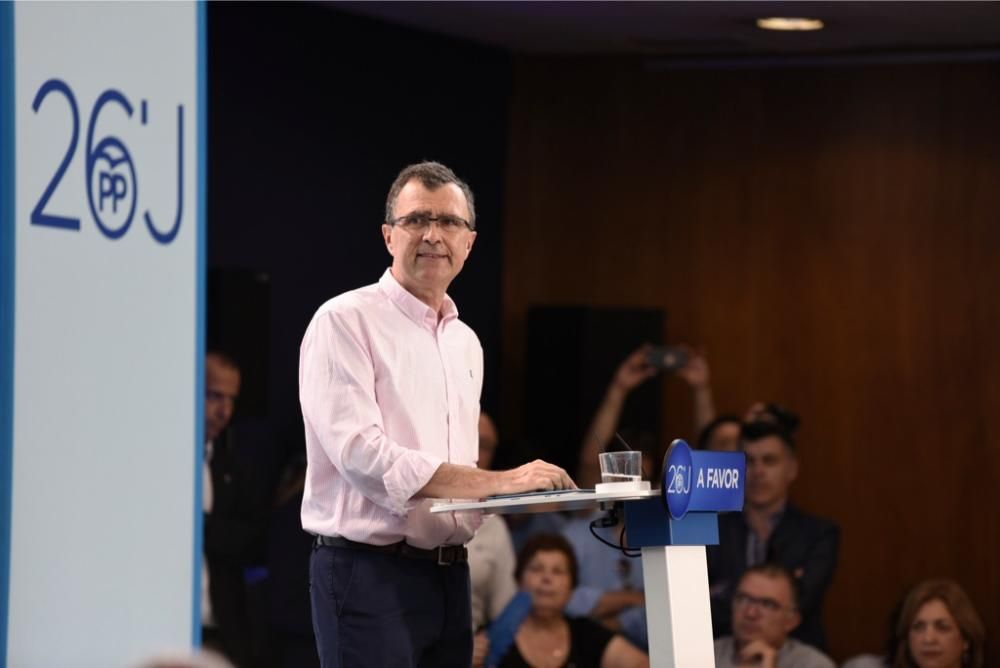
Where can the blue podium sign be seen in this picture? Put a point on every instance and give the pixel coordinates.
(702, 480)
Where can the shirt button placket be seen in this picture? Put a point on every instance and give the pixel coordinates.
(449, 409)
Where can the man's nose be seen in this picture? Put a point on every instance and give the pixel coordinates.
(432, 233)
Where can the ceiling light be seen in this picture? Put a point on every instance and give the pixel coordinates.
(789, 23)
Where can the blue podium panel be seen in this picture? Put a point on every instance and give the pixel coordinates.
(648, 524)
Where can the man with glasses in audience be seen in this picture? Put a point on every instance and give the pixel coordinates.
(389, 382)
(764, 612)
(772, 529)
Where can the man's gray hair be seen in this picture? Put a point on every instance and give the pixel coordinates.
(432, 175)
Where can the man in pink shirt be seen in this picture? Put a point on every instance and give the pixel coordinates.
(389, 382)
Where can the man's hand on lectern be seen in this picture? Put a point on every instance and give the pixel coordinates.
(536, 475)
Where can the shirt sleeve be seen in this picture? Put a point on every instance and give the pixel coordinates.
(339, 404)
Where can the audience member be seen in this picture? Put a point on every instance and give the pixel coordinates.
(721, 434)
(867, 661)
(609, 586)
(222, 389)
(772, 412)
(523, 526)
(235, 506)
(764, 612)
(491, 554)
(939, 628)
(204, 659)
(697, 374)
(547, 569)
(771, 529)
(632, 372)
(883, 660)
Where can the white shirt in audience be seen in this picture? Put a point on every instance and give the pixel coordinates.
(793, 654)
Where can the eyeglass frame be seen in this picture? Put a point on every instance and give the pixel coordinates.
(768, 605)
(427, 219)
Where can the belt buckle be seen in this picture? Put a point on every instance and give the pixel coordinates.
(440, 556)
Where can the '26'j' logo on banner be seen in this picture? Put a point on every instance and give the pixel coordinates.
(112, 182)
(703, 481)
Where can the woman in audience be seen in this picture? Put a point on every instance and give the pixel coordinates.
(547, 569)
(885, 659)
(939, 628)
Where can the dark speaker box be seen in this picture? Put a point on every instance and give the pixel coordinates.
(571, 355)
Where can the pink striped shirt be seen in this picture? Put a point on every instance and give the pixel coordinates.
(388, 393)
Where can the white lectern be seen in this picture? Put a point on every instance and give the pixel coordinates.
(675, 572)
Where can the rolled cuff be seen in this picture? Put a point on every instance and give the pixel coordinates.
(407, 476)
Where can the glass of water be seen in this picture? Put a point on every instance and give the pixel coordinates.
(621, 466)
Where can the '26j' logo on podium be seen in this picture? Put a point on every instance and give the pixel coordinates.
(112, 184)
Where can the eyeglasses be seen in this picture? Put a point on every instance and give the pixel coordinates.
(742, 600)
(420, 221)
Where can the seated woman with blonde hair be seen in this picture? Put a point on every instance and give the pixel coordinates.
(939, 628)
(547, 569)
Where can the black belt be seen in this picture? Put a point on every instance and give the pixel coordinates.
(444, 555)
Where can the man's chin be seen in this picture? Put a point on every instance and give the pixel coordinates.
(760, 500)
(434, 275)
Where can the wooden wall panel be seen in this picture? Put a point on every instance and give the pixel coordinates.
(831, 237)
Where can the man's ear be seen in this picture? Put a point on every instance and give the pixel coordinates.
(468, 246)
(387, 236)
(793, 619)
(793, 468)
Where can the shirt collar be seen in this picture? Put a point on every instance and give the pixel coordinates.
(415, 310)
(776, 516)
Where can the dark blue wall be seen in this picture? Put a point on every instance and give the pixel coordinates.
(312, 113)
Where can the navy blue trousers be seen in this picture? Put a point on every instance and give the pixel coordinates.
(372, 609)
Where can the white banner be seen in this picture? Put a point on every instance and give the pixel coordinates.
(107, 284)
